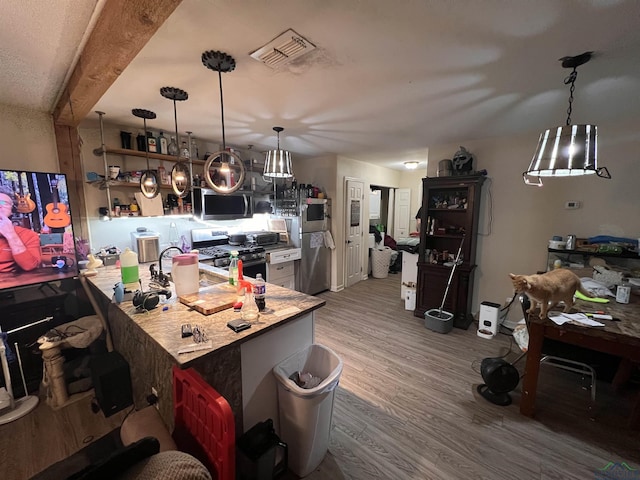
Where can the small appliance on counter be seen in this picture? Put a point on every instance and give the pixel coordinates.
(146, 244)
(263, 238)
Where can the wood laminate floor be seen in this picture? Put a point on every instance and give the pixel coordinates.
(406, 407)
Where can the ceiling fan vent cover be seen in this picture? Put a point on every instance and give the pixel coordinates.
(283, 49)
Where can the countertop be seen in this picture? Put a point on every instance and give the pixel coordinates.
(163, 325)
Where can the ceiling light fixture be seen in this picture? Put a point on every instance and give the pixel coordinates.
(570, 150)
(411, 165)
(278, 162)
(149, 180)
(224, 170)
(180, 174)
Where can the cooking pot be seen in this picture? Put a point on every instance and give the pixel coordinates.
(237, 239)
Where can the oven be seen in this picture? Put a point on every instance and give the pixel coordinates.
(215, 250)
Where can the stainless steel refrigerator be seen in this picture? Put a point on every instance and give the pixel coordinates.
(313, 271)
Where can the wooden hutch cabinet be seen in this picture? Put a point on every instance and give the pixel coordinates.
(450, 212)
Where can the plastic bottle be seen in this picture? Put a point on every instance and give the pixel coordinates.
(129, 269)
(259, 292)
(233, 269)
(249, 311)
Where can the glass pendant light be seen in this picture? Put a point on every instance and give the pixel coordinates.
(570, 150)
(180, 173)
(149, 185)
(224, 170)
(278, 162)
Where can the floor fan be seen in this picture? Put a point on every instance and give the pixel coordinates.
(500, 378)
(16, 408)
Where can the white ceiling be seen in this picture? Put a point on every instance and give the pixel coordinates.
(387, 79)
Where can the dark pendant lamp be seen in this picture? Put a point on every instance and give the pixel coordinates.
(278, 162)
(570, 150)
(149, 185)
(180, 174)
(224, 170)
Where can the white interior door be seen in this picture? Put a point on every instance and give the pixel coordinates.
(402, 213)
(353, 227)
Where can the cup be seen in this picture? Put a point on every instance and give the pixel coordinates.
(114, 171)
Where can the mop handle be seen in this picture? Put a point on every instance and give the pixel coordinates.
(24, 382)
(453, 269)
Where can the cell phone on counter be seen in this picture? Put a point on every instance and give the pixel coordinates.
(238, 325)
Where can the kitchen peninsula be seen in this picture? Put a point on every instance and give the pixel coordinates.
(238, 365)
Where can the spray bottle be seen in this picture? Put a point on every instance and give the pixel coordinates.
(249, 311)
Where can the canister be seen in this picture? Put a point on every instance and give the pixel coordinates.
(185, 273)
(146, 245)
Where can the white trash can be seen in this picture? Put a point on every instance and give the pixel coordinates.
(380, 259)
(306, 413)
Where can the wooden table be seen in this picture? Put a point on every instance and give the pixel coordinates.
(619, 338)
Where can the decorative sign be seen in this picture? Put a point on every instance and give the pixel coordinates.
(355, 213)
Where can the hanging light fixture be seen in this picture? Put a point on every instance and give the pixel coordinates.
(570, 150)
(224, 170)
(278, 162)
(180, 174)
(149, 180)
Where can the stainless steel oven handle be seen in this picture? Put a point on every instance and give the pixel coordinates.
(246, 205)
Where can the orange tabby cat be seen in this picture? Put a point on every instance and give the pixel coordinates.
(550, 288)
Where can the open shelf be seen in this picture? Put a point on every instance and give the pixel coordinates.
(137, 153)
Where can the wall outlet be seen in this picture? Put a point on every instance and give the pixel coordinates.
(572, 204)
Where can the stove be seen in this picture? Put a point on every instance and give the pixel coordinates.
(214, 248)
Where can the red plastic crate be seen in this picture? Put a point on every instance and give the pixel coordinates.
(204, 423)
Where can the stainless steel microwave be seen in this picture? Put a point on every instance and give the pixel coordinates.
(209, 205)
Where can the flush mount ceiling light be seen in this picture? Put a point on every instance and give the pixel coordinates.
(180, 174)
(411, 165)
(224, 170)
(278, 162)
(149, 180)
(570, 150)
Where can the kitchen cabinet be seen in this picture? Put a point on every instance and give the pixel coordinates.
(449, 221)
(281, 267)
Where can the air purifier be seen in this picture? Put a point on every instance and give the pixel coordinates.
(488, 319)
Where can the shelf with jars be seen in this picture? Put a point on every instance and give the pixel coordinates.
(449, 222)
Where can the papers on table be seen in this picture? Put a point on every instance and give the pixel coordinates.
(560, 318)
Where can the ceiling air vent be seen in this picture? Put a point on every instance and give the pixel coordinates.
(283, 49)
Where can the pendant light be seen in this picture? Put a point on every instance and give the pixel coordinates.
(149, 180)
(570, 150)
(224, 170)
(180, 174)
(278, 162)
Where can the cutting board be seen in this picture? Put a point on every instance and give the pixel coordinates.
(211, 299)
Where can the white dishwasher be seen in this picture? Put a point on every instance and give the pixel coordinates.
(281, 267)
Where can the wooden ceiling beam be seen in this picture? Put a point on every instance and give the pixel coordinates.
(122, 30)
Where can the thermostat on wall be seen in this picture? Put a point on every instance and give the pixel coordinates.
(572, 204)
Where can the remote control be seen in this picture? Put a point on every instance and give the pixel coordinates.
(186, 330)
